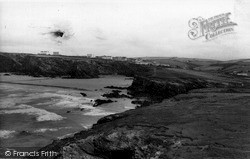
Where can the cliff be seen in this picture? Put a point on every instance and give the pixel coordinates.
(160, 89)
(209, 121)
(66, 66)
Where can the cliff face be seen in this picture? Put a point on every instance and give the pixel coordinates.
(201, 124)
(71, 67)
(165, 83)
(160, 89)
(208, 117)
(191, 125)
(211, 121)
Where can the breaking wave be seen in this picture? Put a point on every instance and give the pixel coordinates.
(42, 130)
(41, 114)
(6, 133)
(98, 112)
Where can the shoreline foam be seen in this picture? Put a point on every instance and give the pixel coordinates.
(5, 134)
(41, 114)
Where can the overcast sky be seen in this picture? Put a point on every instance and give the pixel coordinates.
(122, 27)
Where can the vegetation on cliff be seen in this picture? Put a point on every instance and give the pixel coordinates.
(68, 67)
(198, 114)
(210, 120)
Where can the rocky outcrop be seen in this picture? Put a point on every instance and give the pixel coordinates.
(197, 124)
(101, 101)
(115, 94)
(83, 94)
(158, 89)
(110, 118)
(191, 127)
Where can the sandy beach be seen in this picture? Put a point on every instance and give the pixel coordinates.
(35, 111)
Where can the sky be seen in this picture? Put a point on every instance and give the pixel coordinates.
(132, 28)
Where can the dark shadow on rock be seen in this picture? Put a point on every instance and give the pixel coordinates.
(115, 87)
(115, 94)
(101, 101)
(83, 94)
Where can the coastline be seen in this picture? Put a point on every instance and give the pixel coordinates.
(32, 104)
(30, 84)
(168, 129)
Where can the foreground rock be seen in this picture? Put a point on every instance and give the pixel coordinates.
(202, 118)
(101, 101)
(201, 124)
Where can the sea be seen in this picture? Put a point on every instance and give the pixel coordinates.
(36, 111)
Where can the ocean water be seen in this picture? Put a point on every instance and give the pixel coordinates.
(34, 116)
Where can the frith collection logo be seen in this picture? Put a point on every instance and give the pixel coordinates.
(211, 27)
(23, 152)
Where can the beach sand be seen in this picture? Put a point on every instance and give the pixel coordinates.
(35, 111)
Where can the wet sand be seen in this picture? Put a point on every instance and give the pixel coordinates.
(34, 115)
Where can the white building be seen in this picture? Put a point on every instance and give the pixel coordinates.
(43, 53)
(89, 55)
(107, 57)
(104, 57)
(56, 53)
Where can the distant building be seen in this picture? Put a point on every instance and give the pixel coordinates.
(89, 55)
(56, 53)
(119, 58)
(104, 57)
(43, 53)
(107, 57)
